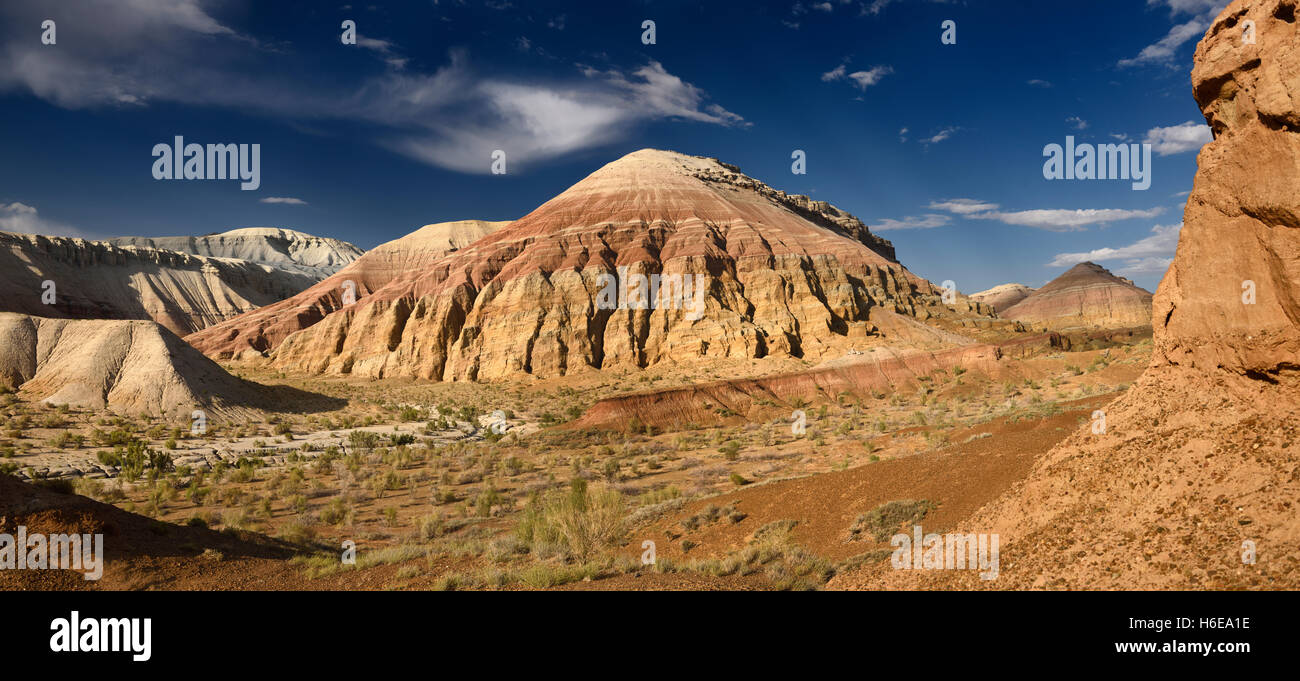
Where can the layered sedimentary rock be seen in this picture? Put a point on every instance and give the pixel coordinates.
(124, 366)
(401, 260)
(881, 369)
(1085, 296)
(1193, 481)
(182, 291)
(1002, 296)
(656, 257)
(284, 249)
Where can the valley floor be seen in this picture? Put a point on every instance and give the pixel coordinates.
(469, 486)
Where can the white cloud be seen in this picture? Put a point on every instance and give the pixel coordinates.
(1077, 123)
(862, 79)
(940, 136)
(866, 79)
(25, 219)
(1163, 50)
(1141, 266)
(1176, 139)
(1064, 220)
(835, 73)
(287, 200)
(1190, 6)
(1039, 83)
(877, 6)
(963, 206)
(1159, 246)
(927, 221)
(138, 52)
(535, 121)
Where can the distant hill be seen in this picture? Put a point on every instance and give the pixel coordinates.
(1085, 296)
(183, 283)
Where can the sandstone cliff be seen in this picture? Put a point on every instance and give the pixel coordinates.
(776, 275)
(1085, 296)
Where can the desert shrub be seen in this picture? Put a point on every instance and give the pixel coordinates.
(336, 512)
(430, 526)
(399, 439)
(60, 485)
(133, 458)
(883, 521)
(297, 533)
(486, 499)
(244, 471)
(363, 440)
(576, 522)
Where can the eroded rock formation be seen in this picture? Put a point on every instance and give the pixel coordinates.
(396, 262)
(1085, 296)
(181, 290)
(124, 366)
(779, 275)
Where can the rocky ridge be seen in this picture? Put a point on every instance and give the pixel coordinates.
(102, 280)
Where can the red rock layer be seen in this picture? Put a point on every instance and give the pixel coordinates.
(780, 276)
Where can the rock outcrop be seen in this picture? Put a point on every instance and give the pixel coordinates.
(400, 260)
(128, 367)
(1085, 296)
(657, 257)
(1194, 479)
(1002, 296)
(283, 249)
(180, 290)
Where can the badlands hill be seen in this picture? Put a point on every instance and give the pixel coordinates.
(183, 291)
(128, 367)
(283, 249)
(770, 274)
(400, 260)
(1085, 296)
(1002, 296)
(1194, 481)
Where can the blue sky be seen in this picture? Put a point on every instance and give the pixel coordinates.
(937, 147)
